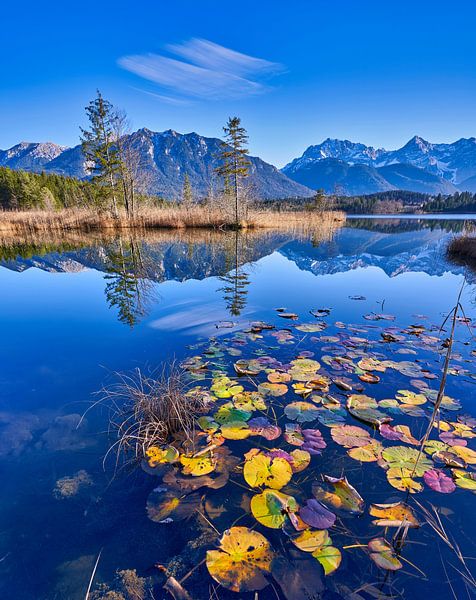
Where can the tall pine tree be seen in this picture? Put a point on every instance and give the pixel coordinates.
(100, 147)
(235, 164)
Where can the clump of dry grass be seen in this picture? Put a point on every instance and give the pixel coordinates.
(463, 248)
(147, 217)
(150, 410)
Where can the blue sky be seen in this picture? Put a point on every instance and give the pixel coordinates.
(296, 72)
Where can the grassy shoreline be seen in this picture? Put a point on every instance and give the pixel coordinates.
(87, 220)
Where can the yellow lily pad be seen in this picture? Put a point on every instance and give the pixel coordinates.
(396, 514)
(198, 465)
(271, 508)
(243, 560)
(329, 557)
(261, 470)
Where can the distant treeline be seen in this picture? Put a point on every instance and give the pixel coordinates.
(403, 201)
(23, 190)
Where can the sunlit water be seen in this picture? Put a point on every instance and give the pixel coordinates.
(70, 317)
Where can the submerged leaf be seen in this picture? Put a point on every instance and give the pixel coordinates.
(166, 506)
(344, 498)
(329, 557)
(243, 560)
(383, 555)
(316, 515)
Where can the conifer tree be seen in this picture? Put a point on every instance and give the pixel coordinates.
(99, 147)
(187, 194)
(235, 164)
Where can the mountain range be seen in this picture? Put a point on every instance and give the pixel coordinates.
(419, 166)
(337, 166)
(165, 157)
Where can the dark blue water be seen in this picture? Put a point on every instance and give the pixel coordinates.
(71, 316)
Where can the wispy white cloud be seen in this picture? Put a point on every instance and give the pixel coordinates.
(212, 71)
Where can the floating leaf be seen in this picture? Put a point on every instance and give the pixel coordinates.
(407, 458)
(293, 434)
(165, 454)
(243, 560)
(350, 436)
(408, 397)
(271, 508)
(368, 377)
(311, 540)
(313, 441)
(277, 377)
(401, 433)
(316, 515)
(344, 498)
(249, 401)
(401, 479)
(450, 459)
(465, 479)
(468, 455)
(165, 506)
(224, 387)
(383, 555)
(439, 482)
(197, 465)
(372, 452)
(300, 460)
(229, 414)
(311, 327)
(262, 470)
(235, 430)
(302, 412)
(329, 557)
(393, 515)
(261, 426)
(248, 367)
(272, 389)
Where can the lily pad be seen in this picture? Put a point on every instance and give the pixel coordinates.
(197, 465)
(272, 508)
(383, 555)
(243, 560)
(344, 498)
(438, 481)
(311, 540)
(407, 458)
(161, 455)
(329, 557)
(397, 514)
(302, 412)
(317, 515)
(261, 470)
(167, 506)
(350, 436)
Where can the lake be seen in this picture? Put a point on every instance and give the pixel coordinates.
(76, 312)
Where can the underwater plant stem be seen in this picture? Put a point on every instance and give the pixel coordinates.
(93, 575)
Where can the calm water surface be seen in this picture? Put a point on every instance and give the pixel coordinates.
(73, 314)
